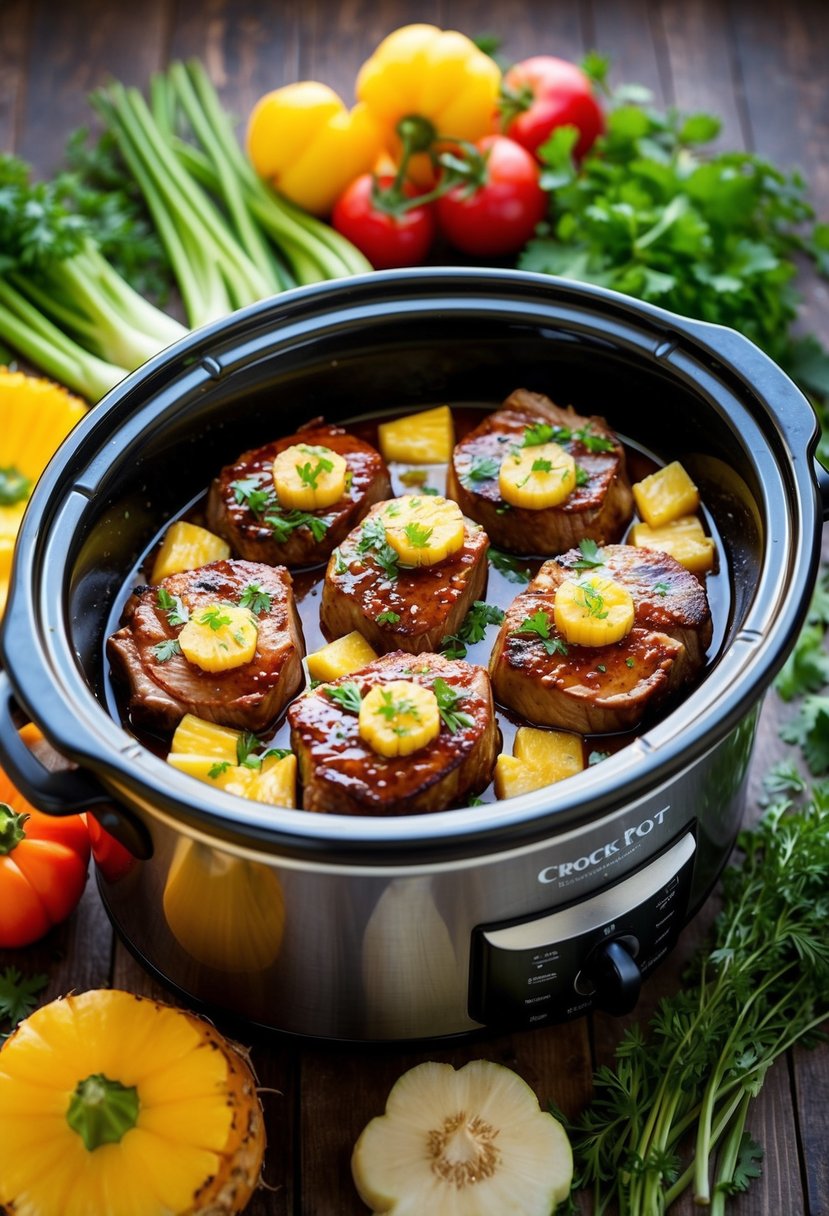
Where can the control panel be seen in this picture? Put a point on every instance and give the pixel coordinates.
(592, 954)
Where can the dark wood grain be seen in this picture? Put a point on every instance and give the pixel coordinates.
(761, 64)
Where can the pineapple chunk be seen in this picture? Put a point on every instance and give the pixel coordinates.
(683, 538)
(593, 611)
(340, 658)
(222, 637)
(666, 495)
(537, 477)
(555, 754)
(276, 783)
(187, 547)
(6, 555)
(309, 478)
(425, 438)
(423, 530)
(196, 736)
(514, 777)
(399, 718)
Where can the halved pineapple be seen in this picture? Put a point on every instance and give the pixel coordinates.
(114, 1103)
(467, 1143)
(424, 438)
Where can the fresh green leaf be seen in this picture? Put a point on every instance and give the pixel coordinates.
(448, 697)
(388, 617)
(165, 650)
(14, 487)
(373, 541)
(216, 770)
(539, 625)
(472, 630)
(347, 696)
(283, 523)
(173, 607)
(246, 747)
(509, 566)
(700, 129)
(481, 468)
(591, 555)
(18, 994)
(418, 535)
(279, 752)
(214, 618)
(256, 599)
(254, 494)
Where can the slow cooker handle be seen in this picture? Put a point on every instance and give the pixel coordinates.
(822, 476)
(64, 791)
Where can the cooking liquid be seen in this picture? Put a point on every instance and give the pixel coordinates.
(501, 590)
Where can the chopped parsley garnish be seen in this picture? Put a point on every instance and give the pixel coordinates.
(593, 442)
(340, 564)
(601, 667)
(544, 432)
(14, 487)
(262, 502)
(246, 745)
(254, 598)
(629, 663)
(214, 618)
(391, 709)
(418, 535)
(542, 466)
(509, 567)
(590, 556)
(447, 697)
(432, 491)
(250, 492)
(482, 468)
(661, 588)
(472, 629)
(373, 540)
(347, 696)
(593, 601)
(165, 650)
(476, 801)
(217, 769)
(582, 476)
(175, 610)
(283, 523)
(539, 624)
(387, 618)
(308, 475)
(279, 752)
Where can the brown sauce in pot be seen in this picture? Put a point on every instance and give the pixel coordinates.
(502, 589)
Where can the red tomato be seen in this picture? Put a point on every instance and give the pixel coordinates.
(43, 867)
(499, 213)
(543, 93)
(386, 236)
(111, 858)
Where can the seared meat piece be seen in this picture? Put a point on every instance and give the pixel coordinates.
(598, 508)
(430, 601)
(601, 689)
(342, 774)
(164, 685)
(242, 499)
(667, 597)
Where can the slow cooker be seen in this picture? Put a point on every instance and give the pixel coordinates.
(514, 914)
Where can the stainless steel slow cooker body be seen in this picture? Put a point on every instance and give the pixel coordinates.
(515, 914)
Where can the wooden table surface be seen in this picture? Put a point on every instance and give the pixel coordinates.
(761, 65)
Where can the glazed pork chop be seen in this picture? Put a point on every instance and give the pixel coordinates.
(164, 685)
(599, 505)
(243, 506)
(395, 607)
(601, 689)
(343, 774)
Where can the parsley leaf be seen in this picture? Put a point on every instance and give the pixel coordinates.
(387, 618)
(545, 432)
(214, 618)
(590, 556)
(279, 752)
(216, 770)
(246, 746)
(593, 442)
(165, 650)
(253, 494)
(539, 624)
(481, 468)
(373, 540)
(472, 629)
(18, 994)
(177, 613)
(418, 535)
(309, 476)
(507, 565)
(14, 487)
(283, 523)
(254, 598)
(347, 696)
(448, 697)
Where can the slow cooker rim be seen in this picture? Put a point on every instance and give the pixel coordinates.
(435, 833)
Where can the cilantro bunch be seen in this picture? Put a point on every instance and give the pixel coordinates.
(709, 236)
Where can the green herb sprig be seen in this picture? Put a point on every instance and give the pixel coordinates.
(472, 630)
(347, 696)
(539, 625)
(448, 697)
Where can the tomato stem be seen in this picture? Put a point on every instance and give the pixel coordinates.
(12, 829)
(102, 1111)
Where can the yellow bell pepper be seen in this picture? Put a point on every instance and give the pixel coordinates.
(428, 73)
(303, 140)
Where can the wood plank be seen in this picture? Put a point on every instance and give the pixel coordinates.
(121, 41)
(527, 29)
(16, 40)
(624, 30)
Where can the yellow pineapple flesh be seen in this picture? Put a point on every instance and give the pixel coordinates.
(665, 495)
(340, 657)
(424, 438)
(682, 538)
(187, 547)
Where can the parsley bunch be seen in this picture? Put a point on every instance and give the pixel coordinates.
(713, 237)
(672, 1111)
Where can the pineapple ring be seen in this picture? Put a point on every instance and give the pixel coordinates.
(423, 529)
(399, 718)
(195, 1144)
(221, 637)
(308, 478)
(537, 477)
(593, 611)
